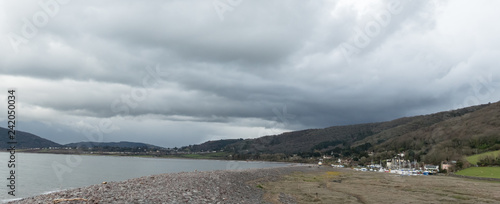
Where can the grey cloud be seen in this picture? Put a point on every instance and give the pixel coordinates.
(224, 77)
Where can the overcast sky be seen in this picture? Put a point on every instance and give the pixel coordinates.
(174, 73)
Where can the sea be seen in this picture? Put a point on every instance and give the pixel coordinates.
(37, 174)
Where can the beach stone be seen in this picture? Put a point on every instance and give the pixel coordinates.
(229, 186)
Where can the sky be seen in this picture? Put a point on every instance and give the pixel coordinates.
(175, 73)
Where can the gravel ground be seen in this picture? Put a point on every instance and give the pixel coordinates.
(230, 186)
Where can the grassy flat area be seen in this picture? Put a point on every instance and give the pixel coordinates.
(486, 172)
(328, 185)
(475, 158)
(215, 155)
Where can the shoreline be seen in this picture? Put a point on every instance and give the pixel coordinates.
(226, 186)
(157, 157)
(102, 168)
(291, 184)
(175, 158)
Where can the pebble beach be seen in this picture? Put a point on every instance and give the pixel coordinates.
(222, 186)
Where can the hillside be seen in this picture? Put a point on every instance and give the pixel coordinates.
(467, 133)
(216, 145)
(430, 138)
(25, 140)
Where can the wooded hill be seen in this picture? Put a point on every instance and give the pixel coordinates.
(432, 138)
(25, 140)
(115, 146)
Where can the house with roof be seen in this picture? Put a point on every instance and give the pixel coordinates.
(431, 168)
(448, 166)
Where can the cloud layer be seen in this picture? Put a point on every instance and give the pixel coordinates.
(182, 72)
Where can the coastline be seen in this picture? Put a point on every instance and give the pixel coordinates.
(168, 156)
(292, 184)
(225, 186)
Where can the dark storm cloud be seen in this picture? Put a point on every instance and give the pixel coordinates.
(259, 68)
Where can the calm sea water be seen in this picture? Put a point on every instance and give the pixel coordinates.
(43, 173)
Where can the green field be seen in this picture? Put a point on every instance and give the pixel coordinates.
(475, 158)
(487, 172)
(212, 155)
(217, 155)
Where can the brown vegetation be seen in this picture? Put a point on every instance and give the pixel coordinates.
(318, 186)
(430, 138)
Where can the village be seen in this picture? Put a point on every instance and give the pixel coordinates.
(395, 165)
